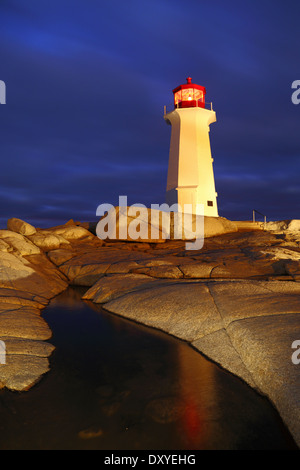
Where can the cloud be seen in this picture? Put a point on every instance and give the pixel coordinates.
(86, 86)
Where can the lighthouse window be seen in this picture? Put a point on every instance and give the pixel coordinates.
(187, 94)
(198, 95)
(210, 203)
(177, 97)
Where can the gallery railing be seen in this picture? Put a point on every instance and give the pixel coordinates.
(169, 108)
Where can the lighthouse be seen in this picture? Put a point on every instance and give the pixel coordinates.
(190, 173)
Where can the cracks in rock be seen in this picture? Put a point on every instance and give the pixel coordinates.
(225, 326)
(179, 268)
(214, 267)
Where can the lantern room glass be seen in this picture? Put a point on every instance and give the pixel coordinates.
(188, 94)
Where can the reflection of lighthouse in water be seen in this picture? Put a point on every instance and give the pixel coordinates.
(198, 399)
(190, 173)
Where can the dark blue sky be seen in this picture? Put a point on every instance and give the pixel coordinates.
(86, 84)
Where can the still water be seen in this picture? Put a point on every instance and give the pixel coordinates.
(115, 385)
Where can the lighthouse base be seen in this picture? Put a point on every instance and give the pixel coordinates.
(189, 199)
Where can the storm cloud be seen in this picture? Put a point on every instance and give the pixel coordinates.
(86, 84)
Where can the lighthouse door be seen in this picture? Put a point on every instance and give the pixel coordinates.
(187, 198)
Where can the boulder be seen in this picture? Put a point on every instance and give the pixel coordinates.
(22, 297)
(60, 256)
(72, 233)
(142, 224)
(48, 241)
(12, 268)
(277, 226)
(133, 224)
(27, 347)
(21, 372)
(48, 281)
(18, 301)
(5, 247)
(24, 323)
(35, 275)
(18, 243)
(19, 226)
(4, 234)
(284, 253)
(294, 225)
(214, 226)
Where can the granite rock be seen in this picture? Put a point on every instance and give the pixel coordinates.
(19, 226)
(114, 286)
(183, 309)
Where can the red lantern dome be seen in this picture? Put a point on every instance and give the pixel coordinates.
(189, 95)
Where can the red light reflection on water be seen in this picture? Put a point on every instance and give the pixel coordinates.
(198, 399)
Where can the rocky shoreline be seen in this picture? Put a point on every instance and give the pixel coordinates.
(237, 300)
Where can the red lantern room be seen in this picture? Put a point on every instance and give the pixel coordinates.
(189, 95)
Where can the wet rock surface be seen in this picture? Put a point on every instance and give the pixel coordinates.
(237, 300)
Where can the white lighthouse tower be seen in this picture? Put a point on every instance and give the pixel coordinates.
(190, 173)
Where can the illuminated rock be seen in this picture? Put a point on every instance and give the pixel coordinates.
(19, 226)
(19, 244)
